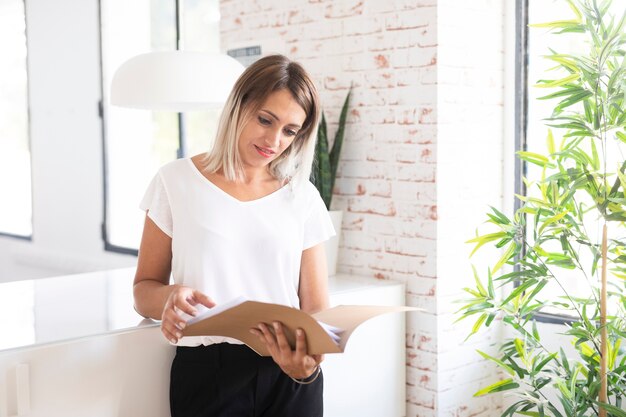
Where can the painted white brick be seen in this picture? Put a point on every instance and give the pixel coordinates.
(367, 243)
(429, 304)
(423, 379)
(363, 25)
(374, 205)
(409, 211)
(416, 172)
(384, 79)
(417, 94)
(415, 410)
(411, 19)
(421, 396)
(409, 246)
(414, 192)
(344, 8)
(422, 322)
(356, 169)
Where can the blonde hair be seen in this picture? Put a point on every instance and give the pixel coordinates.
(262, 78)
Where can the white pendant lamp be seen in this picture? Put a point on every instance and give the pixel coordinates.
(175, 81)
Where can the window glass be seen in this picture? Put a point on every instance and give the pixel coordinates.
(201, 23)
(540, 42)
(138, 142)
(15, 164)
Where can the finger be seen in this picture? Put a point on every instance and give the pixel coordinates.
(203, 299)
(171, 328)
(171, 316)
(267, 335)
(300, 343)
(169, 335)
(281, 339)
(183, 305)
(318, 358)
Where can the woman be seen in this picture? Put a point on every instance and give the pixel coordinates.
(241, 220)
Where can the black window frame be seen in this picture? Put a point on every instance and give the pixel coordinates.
(521, 125)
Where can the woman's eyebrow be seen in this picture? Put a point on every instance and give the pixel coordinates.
(278, 119)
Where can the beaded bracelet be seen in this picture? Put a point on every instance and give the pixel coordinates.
(310, 379)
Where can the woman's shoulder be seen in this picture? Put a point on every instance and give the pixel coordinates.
(306, 192)
(176, 167)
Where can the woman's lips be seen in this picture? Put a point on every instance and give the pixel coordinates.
(264, 152)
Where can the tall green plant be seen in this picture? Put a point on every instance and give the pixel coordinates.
(326, 161)
(549, 240)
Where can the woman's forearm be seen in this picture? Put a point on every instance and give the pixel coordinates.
(150, 297)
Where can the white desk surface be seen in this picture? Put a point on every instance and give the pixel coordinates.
(65, 308)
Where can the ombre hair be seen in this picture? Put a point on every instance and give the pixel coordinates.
(262, 78)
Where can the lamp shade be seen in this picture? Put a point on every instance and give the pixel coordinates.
(175, 81)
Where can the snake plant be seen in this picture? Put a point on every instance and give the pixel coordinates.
(327, 159)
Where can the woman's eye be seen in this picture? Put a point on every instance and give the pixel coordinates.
(290, 132)
(264, 121)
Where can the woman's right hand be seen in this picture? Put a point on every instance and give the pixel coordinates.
(181, 299)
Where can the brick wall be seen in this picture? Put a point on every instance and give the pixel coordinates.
(421, 158)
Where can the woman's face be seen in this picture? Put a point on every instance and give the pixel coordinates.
(270, 130)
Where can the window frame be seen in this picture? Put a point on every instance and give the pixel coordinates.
(180, 152)
(521, 126)
(28, 238)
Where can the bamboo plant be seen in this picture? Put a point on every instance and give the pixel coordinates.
(548, 239)
(327, 158)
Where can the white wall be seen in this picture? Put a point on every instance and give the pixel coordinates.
(66, 146)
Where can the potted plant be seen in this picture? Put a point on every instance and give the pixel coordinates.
(548, 239)
(323, 176)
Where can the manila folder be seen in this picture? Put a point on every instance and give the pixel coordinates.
(237, 321)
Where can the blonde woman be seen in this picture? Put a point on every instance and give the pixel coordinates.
(241, 220)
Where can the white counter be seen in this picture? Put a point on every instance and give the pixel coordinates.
(74, 346)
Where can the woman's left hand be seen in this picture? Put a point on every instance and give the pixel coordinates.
(295, 363)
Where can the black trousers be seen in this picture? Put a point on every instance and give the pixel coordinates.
(232, 380)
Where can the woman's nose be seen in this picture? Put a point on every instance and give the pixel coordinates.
(273, 137)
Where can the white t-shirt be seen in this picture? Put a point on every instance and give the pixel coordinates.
(227, 248)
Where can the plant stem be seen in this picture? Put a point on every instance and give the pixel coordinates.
(603, 342)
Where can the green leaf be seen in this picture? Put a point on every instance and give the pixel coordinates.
(519, 290)
(557, 24)
(533, 158)
(550, 142)
(505, 384)
(338, 141)
(519, 347)
(499, 215)
(537, 368)
(536, 334)
(579, 15)
(595, 159)
(510, 251)
(572, 100)
(552, 220)
(615, 411)
(479, 285)
(501, 364)
(478, 323)
(481, 240)
(492, 292)
(557, 83)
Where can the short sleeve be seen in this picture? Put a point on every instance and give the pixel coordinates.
(318, 226)
(155, 201)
